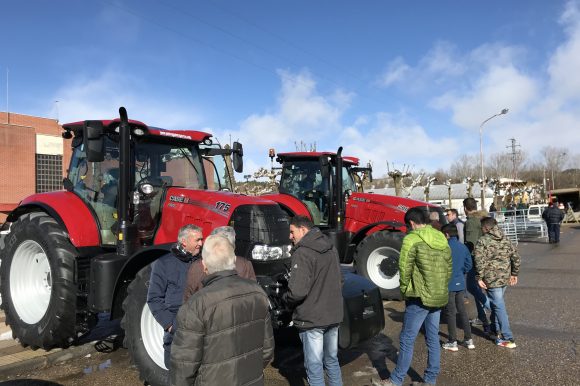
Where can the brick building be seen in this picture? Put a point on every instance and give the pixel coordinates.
(33, 158)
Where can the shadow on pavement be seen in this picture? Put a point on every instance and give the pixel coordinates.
(29, 382)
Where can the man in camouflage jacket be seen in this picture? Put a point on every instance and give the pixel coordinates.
(497, 264)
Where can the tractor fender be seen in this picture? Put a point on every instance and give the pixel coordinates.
(68, 210)
(132, 266)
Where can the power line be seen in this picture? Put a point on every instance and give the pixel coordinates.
(515, 156)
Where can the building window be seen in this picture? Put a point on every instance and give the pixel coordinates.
(48, 173)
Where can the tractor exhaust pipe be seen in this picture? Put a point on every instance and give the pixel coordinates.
(127, 232)
(339, 192)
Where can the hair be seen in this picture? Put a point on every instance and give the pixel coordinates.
(450, 230)
(489, 222)
(227, 232)
(454, 211)
(417, 215)
(301, 222)
(434, 216)
(218, 254)
(186, 230)
(470, 204)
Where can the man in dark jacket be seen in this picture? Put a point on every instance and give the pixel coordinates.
(224, 333)
(553, 217)
(472, 230)
(314, 289)
(165, 294)
(425, 269)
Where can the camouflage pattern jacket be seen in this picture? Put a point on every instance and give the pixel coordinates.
(496, 259)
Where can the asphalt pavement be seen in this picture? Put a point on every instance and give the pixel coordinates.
(544, 310)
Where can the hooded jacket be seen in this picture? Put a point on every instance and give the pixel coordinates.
(496, 259)
(472, 228)
(425, 266)
(315, 285)
(224, 334)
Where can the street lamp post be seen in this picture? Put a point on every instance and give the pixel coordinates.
(504, 111)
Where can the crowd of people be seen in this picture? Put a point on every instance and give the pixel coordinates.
(436, 266)
(216, 317)
(217, 322)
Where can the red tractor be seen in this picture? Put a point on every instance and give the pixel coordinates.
(72, 255)
(366, 228)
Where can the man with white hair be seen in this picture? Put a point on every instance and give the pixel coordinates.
(224, 333)
(196, 274)
(165, 293)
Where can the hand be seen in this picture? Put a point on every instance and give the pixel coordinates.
(170, 328)
(513, 280)
(481, 284)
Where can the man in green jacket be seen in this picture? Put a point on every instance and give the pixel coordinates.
(425, 268)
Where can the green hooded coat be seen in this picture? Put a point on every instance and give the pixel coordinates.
(425, 266)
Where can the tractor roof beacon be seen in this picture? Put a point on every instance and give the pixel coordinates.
(70, 255)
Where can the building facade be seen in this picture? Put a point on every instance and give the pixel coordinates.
(33, 158)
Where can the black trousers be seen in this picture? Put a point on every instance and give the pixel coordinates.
(554, 232)
(455, 306)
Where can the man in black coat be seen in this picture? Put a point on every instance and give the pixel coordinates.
(553, 217)
(224, 333)
(315, 293)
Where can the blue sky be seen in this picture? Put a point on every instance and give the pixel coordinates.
(408, 82)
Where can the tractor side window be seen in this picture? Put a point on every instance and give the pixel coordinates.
(96, 183)
(347, 180)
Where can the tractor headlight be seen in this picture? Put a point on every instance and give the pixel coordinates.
(267, 252)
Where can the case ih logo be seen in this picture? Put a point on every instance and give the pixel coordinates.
(181, 199)
(223, 206)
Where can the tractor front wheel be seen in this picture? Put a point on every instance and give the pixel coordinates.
(377, 259)
(143, 335)
(37, 277)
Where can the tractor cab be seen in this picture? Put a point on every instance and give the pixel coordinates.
(312, 178)
(157, 160)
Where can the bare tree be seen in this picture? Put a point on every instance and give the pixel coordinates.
(554, 159)
(464, 166)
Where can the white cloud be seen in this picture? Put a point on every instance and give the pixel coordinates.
(396, 71)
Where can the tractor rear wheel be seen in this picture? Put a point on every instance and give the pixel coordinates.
(143, 335)
(377, 259)
(37, 277)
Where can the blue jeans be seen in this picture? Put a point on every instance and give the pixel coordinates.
(481, 300)
(320, 347)
(501, 320)
(415, 315)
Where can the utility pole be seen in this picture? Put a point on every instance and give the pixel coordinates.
(515, 156)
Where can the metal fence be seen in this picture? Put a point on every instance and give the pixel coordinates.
(519, 225)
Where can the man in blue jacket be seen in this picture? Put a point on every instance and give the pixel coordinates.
(462, 263)
(167, 283)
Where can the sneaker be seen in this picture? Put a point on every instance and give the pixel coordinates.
(476, 322)
(450, 346)
(506, 343)
(469, 344)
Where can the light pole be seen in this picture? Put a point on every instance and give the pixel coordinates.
(504, 111)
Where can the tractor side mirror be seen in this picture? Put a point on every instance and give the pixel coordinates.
(93, 141)
(238, 154)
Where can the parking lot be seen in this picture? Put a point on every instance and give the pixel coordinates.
(544, 314)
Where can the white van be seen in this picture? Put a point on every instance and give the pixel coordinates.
(535, 212)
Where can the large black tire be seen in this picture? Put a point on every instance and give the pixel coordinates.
(37, 281)
(377, 259)
(143, 335)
